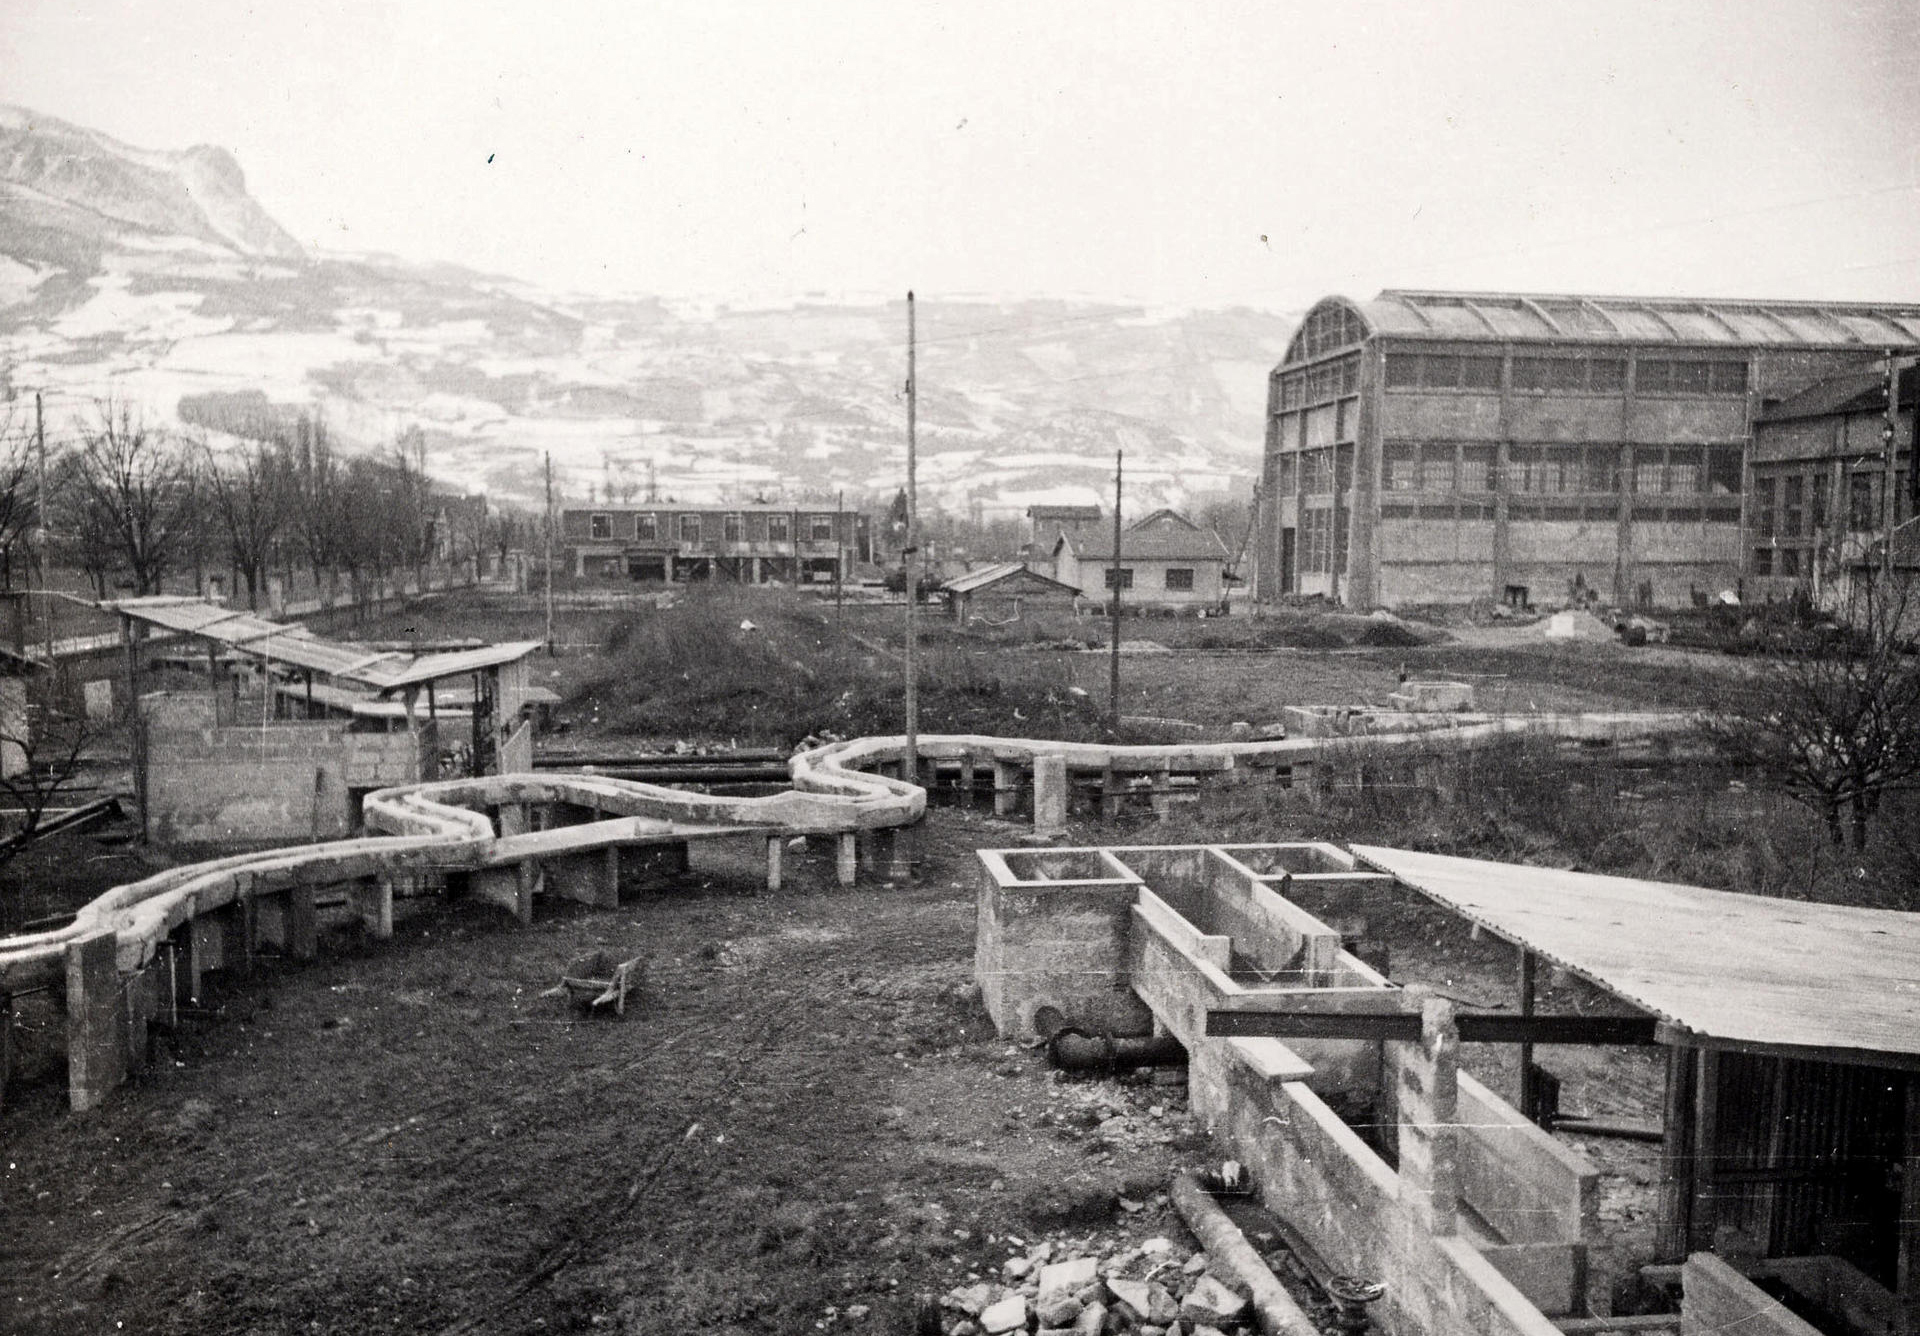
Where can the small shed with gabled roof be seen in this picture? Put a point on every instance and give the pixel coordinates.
(1005, 592)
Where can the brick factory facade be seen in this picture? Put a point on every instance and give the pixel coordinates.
(1445, 447)
(748, 544)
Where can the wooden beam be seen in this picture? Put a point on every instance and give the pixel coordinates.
(1702, 1210)
(1529, 1088)
(1474, 1027)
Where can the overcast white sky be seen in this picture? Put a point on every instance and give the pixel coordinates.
(1190, 154)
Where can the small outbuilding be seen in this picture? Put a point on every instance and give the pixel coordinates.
(1004, 593)
(1166, 560)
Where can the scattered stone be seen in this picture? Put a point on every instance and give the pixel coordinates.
(1064, 1278)
(1133, 1294)
(1059, 1312)
(1155, 1246)
(1162, 1307)
(972, 1300)
(1091, 1319)
(1195, 1264)
(1010, 1314)
(1212, 1303)
(1017, 1268)
(857, 1311)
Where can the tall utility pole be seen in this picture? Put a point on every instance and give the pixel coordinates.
(910, 769)
(1113, 648)
(1889, 501)
(46, 534)
(549, 561)
(840, 555)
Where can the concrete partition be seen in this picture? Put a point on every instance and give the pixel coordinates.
(1480, 1223)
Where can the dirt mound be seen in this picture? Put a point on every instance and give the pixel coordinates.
(1384, 634)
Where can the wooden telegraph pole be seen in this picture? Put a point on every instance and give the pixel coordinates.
(549, 561)
(1890, 498)
(910, 769)
(1113, 649)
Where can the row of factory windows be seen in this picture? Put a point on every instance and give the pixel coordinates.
(1590, 513)
(1544, 469)
(651, 526)
(1799, 505)
(1313, 385)
(1570, 374)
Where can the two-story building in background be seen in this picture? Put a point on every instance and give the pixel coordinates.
(746, 544)
(1442, 447)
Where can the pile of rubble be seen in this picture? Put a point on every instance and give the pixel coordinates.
(1152, 1289)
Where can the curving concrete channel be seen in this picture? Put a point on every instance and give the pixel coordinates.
(132, 955)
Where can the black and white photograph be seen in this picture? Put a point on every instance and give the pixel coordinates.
(864, 668)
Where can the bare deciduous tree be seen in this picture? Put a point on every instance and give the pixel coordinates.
(1834, 718)
(252, 492)
(130, 498)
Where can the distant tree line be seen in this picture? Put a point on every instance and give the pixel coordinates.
(134, 507)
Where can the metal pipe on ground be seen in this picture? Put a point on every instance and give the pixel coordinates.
(1235, 1260)
(1074, 1050)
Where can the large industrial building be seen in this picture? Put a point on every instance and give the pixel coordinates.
(1444, 447)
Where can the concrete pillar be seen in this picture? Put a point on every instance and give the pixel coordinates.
(776, 844)
(238, 932)
(1162, 798)
(373, 901)
(591, 876)
(513, 819)
(1113, 792)
(96, 1025)
(847, 858)
(896, 854)
(1006, 787)
(287, 921)
(511, 887)
(1428, 1092)
(966, 780)
(1049, 794)
(206, 944)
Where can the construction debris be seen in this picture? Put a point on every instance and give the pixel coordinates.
(594, 980)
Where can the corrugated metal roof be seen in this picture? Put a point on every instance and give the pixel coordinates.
(1486, 317)
(278, 642)
(1740, 969)
(986, 575)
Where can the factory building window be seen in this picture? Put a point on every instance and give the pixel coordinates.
(1180, 578)
(1317, 541)
(689, 528)
(1125, 574)
(1401, 462)
(1763, 561)
(1442, 371)
(779, 528)
(1476, 468)
(821, 528)
(600, 526)
(1817, 513)
(1288, 474)
(731, 528)
(1316, 472)
(1793, 504)
(1569, 374)
(1862, 511)
(1723, 470)
(1436, 467)
(1763, 512)
(646, 526)
(1659, 375)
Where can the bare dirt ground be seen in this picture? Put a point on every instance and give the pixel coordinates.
(807, 1116)
(809, 1111)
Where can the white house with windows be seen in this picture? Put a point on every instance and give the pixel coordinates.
(1166, 560)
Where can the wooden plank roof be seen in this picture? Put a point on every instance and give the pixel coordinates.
(1729, 970)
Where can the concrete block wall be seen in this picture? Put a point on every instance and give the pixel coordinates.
(1050, 944)
(382, 760)
(1716, 1299)
(208, 784)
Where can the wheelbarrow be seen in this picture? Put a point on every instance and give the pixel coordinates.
(595, 980)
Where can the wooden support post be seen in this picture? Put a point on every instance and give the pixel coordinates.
(1703, 1215)
(776, 848)
(206, 950)
(1049, 794)
(96, 1024)
(1906, 1284)
(847, 858)
(1006, 787)
(1529, 1088)
(1676, 1158)
(6, 1046)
